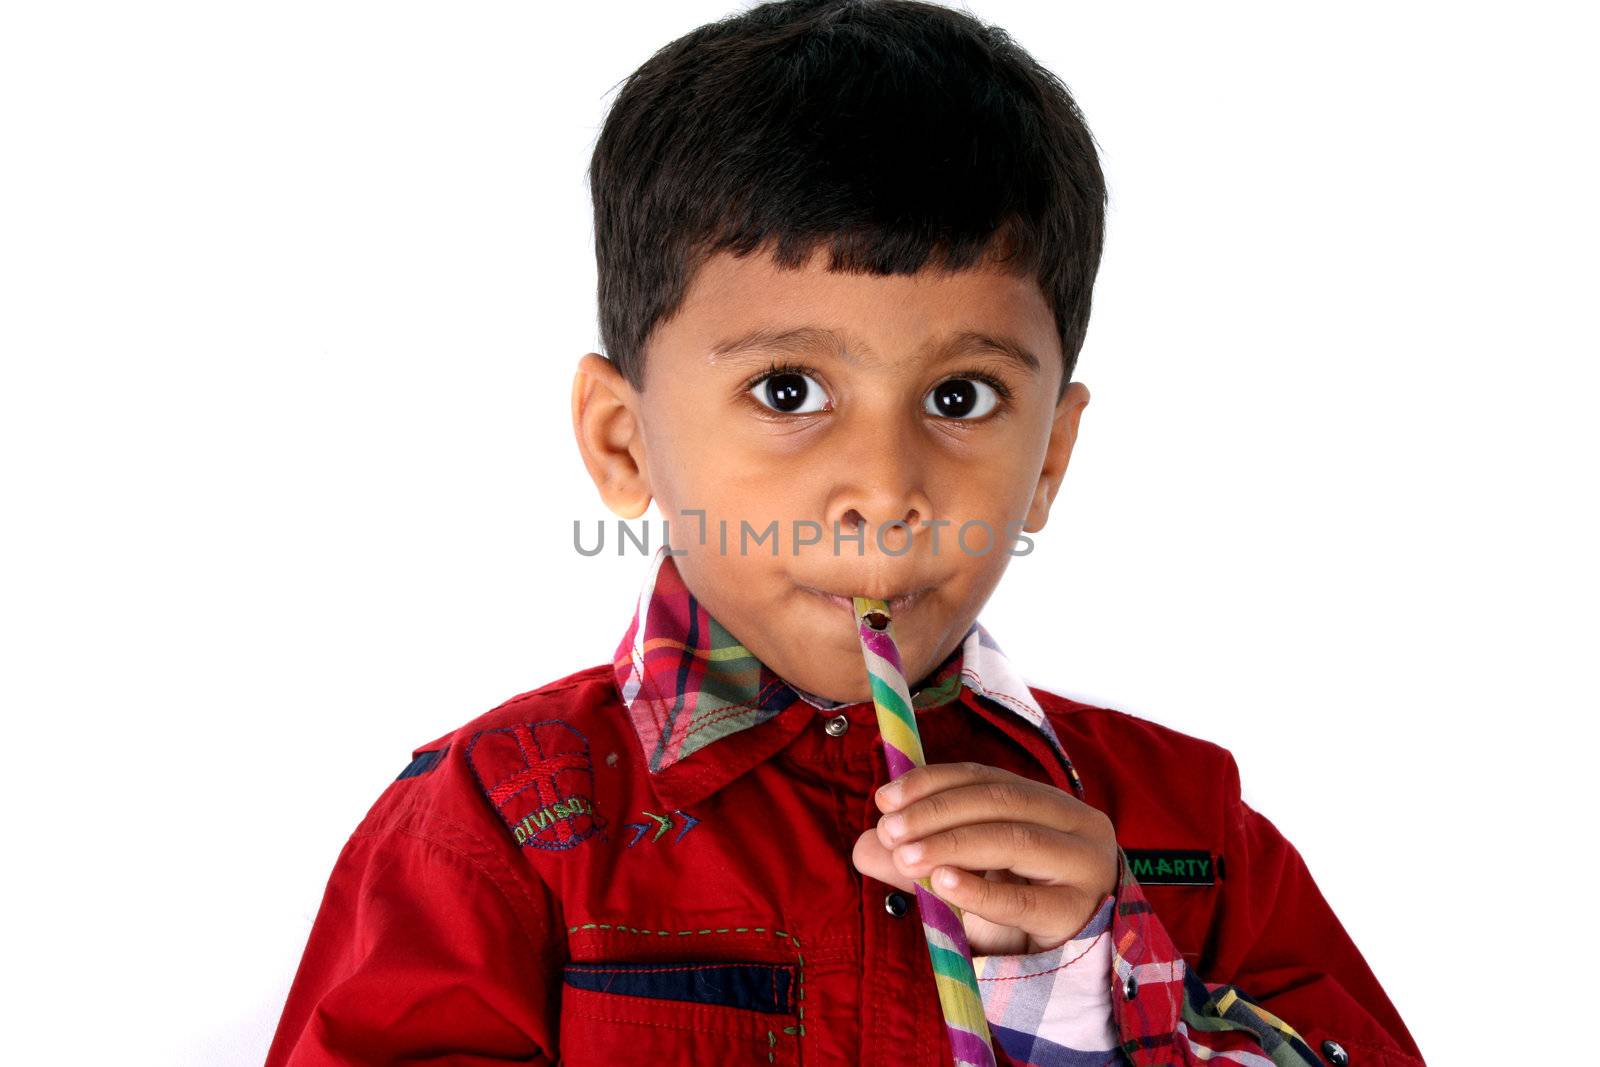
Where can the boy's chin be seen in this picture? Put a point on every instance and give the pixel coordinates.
(831, 675)
(833, 666)
(842, 696)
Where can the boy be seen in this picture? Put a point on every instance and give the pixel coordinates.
(846, 252)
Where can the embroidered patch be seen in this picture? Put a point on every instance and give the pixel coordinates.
(1172, 866)
(661, 824)
(540, 779)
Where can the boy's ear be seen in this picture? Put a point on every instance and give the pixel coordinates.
(1063, 435)
(605, 421)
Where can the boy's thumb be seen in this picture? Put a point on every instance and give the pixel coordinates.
(875, 861)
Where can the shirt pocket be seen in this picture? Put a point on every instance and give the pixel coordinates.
(680, 1011)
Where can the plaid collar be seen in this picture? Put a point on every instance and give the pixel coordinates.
(688, 683)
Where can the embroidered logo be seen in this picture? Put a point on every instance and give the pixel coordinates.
(540, 779)
(1172, 866)
(662, 824)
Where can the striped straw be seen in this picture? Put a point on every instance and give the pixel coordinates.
(948, 950)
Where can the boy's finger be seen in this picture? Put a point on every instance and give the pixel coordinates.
(1038, 853)
(1034, 908)
(1012, 799)
(919, 782)
(874, 861)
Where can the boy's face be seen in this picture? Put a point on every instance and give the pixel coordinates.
(883, 417)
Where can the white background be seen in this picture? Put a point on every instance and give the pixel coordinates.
(292, 295)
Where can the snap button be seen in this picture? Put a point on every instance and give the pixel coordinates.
(1335, 1053)
(836, 725)
(896, 904)
(1130, 987)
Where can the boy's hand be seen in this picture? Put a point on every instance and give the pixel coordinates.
(1027, 863)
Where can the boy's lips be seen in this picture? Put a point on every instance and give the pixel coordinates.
(897, 603)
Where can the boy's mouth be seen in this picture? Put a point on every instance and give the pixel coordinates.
(898, 602)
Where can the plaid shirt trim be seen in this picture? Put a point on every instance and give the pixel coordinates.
(688, 683)
(1166, 1014)
(1054, 1007)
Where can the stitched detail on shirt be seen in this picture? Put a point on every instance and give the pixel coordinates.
(798, 1030)
(736, 708)
(752, 986)
(662, 824)
(1052, 970)
(732, 711)
(589, 968)
(550, 761)
(998, 697)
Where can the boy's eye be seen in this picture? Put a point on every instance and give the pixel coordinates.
(961, 398)
(790, 392)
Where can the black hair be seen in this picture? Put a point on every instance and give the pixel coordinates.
(903, 134)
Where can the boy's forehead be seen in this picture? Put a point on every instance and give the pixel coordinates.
(740, 305)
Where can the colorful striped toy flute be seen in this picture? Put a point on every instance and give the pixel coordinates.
(964, 1021)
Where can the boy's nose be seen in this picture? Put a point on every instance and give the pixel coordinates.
(876, 509)
(878, 479)
(853, 518)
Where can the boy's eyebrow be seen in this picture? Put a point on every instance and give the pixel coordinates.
(802, 340)
(973, 341)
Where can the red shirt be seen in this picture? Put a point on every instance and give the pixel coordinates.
(648, 861)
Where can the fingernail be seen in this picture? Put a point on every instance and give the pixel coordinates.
(894, 825)
(913, 852)
(946, 878)
(890, 793)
